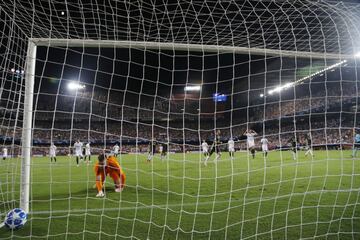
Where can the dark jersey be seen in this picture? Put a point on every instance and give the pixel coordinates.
(164, 145)
(293, 143)
(152, 147)
(216, 145)
(308, 142)
(217, 141)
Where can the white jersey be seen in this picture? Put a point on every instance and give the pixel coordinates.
(5, 152)
(52, 150)
(78, 149)
(231, 145)
(250, 139)
(264, 144)
(116, 149)
(161, 149)
(87, 149)
(205, 147)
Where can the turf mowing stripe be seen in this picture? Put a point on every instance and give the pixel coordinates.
(248, 201)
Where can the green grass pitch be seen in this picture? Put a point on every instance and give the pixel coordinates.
(179, 198)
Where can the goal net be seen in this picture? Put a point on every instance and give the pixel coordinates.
(270, 87)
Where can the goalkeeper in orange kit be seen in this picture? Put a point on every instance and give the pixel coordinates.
(108, 166)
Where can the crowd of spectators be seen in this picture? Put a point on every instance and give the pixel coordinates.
(118, 106)
(134, 137)
(320, 101)
(106, 118)
(128, 106)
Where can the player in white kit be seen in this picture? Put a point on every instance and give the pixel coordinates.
(205, 148)
(52, 152)
(250, 134)
(309, 148)
(87, 152)
(5, 153)
(231, 148)
(161, 151)
(116, 149)
(78, 151)
(264, 146)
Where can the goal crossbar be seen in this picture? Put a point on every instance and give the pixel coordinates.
(57, 42)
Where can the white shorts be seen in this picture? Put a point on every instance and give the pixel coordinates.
(251, 144)
(87, 153)
(205, 151)
(78, 154)
(265, 148)
(5, 155)
(52, 154)
(231, 149)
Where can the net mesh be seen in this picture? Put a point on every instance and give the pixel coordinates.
(286, 70)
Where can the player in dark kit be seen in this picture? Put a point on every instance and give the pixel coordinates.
(163, 150)
(308, 145)
(215, 147)
(152, 150)
(293, 142)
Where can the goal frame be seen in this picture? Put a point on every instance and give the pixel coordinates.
(30, 64)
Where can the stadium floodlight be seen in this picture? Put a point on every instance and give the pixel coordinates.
(357, 55)
(320, 73)
(280, 88)
(261, 95)
(75, 86)
(192, 88)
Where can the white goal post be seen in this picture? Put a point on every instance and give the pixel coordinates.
(27, 126)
